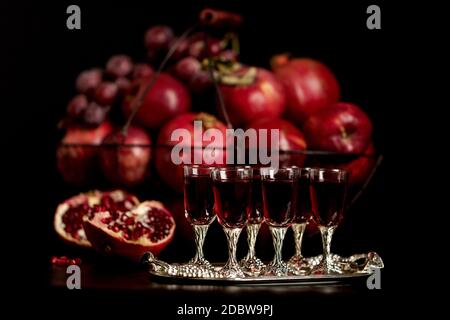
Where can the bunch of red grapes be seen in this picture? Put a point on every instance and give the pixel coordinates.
(298, 96)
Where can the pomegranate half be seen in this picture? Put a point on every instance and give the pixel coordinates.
(147, 227)
(68, 219)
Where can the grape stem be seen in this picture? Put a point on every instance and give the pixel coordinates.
(138, 101)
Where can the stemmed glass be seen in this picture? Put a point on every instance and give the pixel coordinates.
(250, 264)
(198, 207)
(328, 191)
(232, 195)
(301, 218)
(279, 190)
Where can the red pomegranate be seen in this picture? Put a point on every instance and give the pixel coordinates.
(147, 227)
(309, 85)
(343, 127)
(77, 156)
(125, 159)
(69, 215)
(171, 173)
(167, 98)
(251, 93)
(291, 139)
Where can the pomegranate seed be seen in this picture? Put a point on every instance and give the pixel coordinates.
(106, 220)
(64, 261)
(115, 215)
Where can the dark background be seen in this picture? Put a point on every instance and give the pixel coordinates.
(43, 58)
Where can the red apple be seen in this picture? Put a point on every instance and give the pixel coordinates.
(309, 85)
(343, 127)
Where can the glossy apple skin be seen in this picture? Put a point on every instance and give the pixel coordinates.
(264, 98)
(343, 127)
(309, 86)
(126, 165)
(166, 99)
(169, 172)
(291, 139)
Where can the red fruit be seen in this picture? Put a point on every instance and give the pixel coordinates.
(167, 98)
(309, 86)
(360, 168)
(343, 127)
(187, 68)
(228, 55)
(95, 114)
(78, 163)
(252, 93)
(190, 71)
(171, 173)
(142, 70)
(119, 65)
(88, 80)
(124, 85)
(147, 227)
(158, 37)
(76, 106)
(181, 49)
(106, 93)
(199, 50)
(291, 139)
(68, 219)
(125, 159)
(200, 82)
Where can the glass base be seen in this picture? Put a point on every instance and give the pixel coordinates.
(233, 271)
(300, 265)
(278, 269)
(252, 267)
(201, 262)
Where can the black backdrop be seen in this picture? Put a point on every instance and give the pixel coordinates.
(43, 58)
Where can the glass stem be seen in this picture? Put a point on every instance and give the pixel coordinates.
(299, 230)
(327, 235)
(278, 237)
(252, 233)
(232, 238)
(200, 234)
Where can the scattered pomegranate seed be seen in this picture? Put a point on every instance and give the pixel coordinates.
(64, 261)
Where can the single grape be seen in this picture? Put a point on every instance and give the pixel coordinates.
(88, 80)
(106, 93)
(119, 66)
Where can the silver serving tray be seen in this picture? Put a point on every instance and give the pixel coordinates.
(364, 265)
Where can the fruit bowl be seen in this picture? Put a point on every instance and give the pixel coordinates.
(158, 168)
